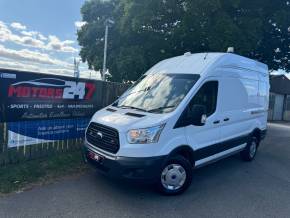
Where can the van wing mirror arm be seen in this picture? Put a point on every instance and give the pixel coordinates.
(203, 119)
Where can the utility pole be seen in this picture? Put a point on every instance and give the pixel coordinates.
(108, 23)
(76, 68)
(105, 52)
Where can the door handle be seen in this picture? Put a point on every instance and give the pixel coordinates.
(216, 122)
(227, 119)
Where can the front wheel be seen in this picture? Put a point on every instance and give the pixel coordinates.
(175, 176)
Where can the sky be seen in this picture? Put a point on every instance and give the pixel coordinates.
(40, 36)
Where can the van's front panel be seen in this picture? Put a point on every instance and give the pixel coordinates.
(108, 149)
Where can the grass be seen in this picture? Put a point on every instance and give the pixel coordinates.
(21, 176)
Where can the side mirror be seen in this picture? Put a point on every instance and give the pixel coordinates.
(197, 115)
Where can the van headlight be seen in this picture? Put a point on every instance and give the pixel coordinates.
(145, 136)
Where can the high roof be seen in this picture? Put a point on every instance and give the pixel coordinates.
(280, 84)
(197, 63)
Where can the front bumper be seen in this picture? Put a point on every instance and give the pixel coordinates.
(144, 169)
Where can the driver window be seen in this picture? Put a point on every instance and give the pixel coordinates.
(207, 96)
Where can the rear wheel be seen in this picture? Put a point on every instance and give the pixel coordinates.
(249, 153)
(175, 176)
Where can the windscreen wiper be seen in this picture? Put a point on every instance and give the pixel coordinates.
(161, 108)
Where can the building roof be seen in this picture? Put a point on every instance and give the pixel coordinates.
(280, 84)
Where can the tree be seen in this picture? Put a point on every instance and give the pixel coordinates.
(146, 32)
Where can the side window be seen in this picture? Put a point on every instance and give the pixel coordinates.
(207, 96)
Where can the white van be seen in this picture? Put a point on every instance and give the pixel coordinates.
(183, 113)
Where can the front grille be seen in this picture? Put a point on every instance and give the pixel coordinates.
(103, 137)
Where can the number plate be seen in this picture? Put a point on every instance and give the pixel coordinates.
(95, 157)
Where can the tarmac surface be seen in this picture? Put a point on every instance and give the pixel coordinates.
(228, 188)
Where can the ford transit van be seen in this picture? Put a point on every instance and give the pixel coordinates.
(184, 113)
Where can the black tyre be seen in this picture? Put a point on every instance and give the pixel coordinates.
(249, 153)
(175, 176)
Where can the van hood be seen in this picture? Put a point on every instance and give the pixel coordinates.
(126, 119)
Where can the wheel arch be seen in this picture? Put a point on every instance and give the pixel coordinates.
(184, 150)
(257, 133)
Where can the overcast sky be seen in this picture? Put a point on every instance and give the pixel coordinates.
(40, 35)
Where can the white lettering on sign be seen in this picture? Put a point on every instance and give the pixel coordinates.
(75, 89)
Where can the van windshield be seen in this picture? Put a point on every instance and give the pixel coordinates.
(157, 93)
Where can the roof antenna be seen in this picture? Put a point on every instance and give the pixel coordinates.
(205, 56)
(231, 50)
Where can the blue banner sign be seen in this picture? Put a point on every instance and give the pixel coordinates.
(40, 131)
